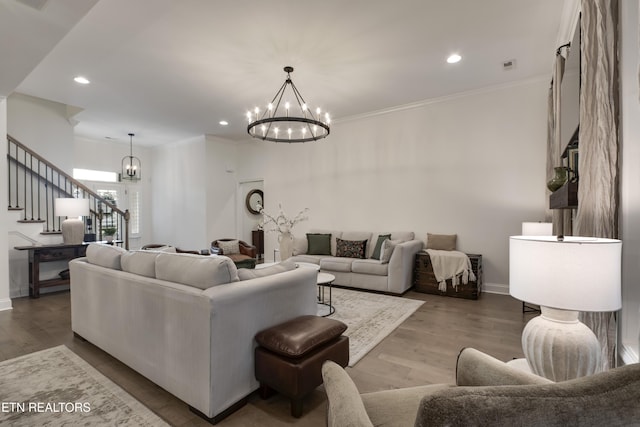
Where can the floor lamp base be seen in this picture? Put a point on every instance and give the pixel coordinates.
(559, 347)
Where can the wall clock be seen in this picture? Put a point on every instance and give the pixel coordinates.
(254, 198)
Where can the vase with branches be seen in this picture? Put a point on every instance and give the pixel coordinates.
(282, 224)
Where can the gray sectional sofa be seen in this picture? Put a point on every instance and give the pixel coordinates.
(394, 276)
(186, 322)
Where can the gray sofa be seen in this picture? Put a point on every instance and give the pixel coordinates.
(394, 277)
(488, 392)
(186, 322)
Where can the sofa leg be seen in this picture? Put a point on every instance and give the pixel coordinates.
(222, 415)
(296, 408)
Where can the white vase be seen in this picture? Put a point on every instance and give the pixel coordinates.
(286, 245)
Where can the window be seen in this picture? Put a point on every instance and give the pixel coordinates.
(108, 217)
(134, 211)
(91, 175)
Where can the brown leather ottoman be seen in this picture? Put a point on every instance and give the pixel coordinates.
(290, 356)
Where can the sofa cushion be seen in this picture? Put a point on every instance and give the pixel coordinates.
(163, 248)
(378, 245)
(351, 248)
(251, 273)
(300, 245)
(229, 247)
(196, 270)
(336, 264)
(319, 244)
(388, 246)
(370, 266)
(312, 259)
(105, 255)
(442, 242)
(140, 262)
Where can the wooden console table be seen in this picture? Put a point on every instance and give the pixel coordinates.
(49, 253)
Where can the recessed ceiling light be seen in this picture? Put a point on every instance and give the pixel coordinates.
(81, 80)
(223, 123)
(454, 58)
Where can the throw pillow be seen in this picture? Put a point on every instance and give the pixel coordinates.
(299, 245)
(351, 248)
(442, 242)
(378, 247)
(319, 244)
(388, 247)
(229, 247)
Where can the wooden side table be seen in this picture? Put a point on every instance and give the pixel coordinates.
(257, 239)
(49, 253)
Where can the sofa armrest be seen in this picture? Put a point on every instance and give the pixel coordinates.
(401, 266)
(247, 249)
(475, 368)
(239, 310)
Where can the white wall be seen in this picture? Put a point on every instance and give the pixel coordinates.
(42, 126)
(220, 177)
(471, 164)
(194, 192)
(179, 188)
(5, 301)
(630, 182)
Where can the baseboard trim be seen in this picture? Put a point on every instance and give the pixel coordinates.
(495, 288)
(628, 355)
(5, 304)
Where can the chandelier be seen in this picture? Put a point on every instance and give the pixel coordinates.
(131, 165)
(286, 123)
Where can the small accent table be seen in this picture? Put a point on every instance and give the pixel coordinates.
(325, 280)
(49, 253)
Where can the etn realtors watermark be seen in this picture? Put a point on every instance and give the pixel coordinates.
(45, 407)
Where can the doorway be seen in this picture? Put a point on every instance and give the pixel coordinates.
(248, 221)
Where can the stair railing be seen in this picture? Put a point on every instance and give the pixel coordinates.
(34, 183)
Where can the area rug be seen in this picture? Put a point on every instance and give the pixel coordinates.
(56, 387)
(370, 317)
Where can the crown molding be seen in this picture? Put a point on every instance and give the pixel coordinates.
(446, 98)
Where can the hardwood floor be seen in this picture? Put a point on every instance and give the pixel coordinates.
(422, 350)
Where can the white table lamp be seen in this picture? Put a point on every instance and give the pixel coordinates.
(537, 229)
(72, 228)
(564, 278)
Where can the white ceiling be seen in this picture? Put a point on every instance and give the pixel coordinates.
(169, 70)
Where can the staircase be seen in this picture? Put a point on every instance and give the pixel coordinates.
(34, 183)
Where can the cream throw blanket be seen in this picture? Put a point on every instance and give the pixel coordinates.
(454, 265)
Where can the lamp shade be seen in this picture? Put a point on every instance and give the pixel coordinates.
(579, 273)
(72, 207)
(537, 229)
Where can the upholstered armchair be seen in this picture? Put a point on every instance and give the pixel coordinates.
(245, 256)
(488, 392)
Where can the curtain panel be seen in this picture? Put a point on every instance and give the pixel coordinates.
(597, 214)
